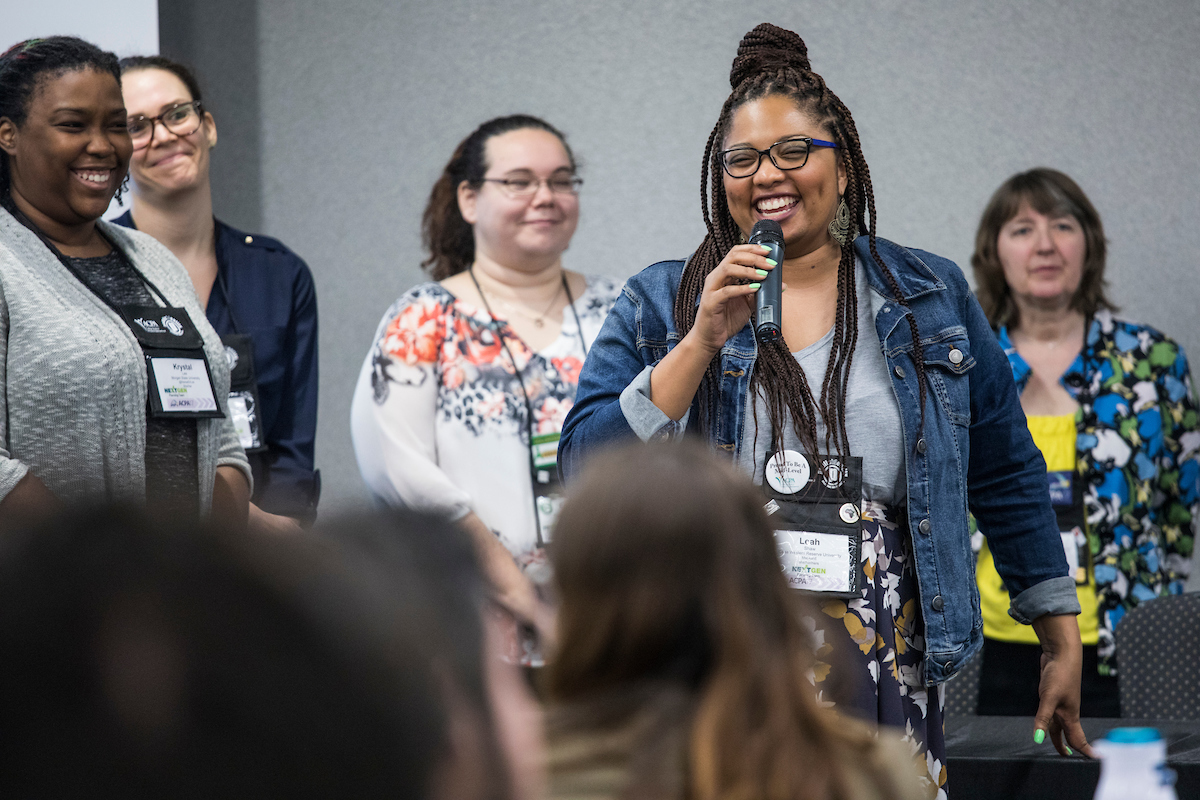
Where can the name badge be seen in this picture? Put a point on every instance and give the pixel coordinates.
(1075, 547)
(243, 392)
(179, 380)
(814, 505)
(181, 386)
(817, 562)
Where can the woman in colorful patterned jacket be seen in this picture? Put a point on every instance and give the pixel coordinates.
(1110, 403)
(460, 401)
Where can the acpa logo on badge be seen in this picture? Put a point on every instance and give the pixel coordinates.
(148, 325)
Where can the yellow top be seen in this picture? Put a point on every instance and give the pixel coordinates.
(1055, 437)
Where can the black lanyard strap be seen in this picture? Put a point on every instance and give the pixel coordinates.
(66, 262)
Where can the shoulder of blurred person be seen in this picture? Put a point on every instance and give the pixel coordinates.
(153, 657)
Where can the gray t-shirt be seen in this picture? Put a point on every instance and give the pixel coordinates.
(172, 459)
(872, 414)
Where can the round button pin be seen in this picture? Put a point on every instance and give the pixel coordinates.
(787, 472)
(956, 356)
(849, 513)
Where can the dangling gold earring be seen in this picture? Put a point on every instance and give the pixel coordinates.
(840, 228)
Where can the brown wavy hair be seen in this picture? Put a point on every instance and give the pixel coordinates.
(1054, 194)
(445, 235)
(666, 570)
(774, 61)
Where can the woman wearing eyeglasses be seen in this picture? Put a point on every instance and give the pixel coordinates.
(460, 402)
(880, 413)
(113, 385)
(257, 293)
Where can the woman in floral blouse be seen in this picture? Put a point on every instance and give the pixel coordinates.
(1111, 405)
(460, 401)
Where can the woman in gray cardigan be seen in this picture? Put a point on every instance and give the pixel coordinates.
(112, 383)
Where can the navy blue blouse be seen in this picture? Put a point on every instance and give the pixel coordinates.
(266, 291)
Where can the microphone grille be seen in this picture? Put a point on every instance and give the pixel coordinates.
(766, 229)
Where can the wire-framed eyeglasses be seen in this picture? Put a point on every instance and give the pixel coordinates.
(786, 154)
(527, 186)
(181, 119)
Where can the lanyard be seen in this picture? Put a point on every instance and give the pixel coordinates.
(521, 381)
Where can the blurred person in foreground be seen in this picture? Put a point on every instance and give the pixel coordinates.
(1110, 404)
(147, 657)
(257, 294)
(682, 668)
(428, 565)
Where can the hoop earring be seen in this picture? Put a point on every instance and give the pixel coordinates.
(840, 228)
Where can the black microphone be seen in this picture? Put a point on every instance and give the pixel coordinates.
(768, 303)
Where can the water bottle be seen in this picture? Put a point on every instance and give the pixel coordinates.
(1133, 764)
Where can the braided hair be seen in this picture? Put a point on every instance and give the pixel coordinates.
(27, 63)
(774, 61)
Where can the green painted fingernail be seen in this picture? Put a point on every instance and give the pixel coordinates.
(765, 247)
(1070, 752)
(1039, 736)
(772, 262)
(755, 286)
(762, 273)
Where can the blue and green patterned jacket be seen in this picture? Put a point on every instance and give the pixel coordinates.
(1138, 457)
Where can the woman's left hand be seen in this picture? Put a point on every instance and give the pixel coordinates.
(1062, 662)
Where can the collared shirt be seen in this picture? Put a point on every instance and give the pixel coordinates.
(1138, 456)
(265, 290)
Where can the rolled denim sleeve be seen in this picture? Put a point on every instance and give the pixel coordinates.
(1055, 596)
(646, 419)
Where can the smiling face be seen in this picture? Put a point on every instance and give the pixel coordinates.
(70, 155)
(803, 201)
(169, 163)
(525, 233)
(1042, 256)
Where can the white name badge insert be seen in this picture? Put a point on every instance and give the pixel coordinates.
(815, 562)
(183, 384)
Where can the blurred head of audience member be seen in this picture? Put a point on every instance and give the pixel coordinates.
(1033, 213)
(145, 657)
(681, 655)
(429, 566)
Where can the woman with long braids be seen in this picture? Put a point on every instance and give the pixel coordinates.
(883, 411)
(113, 385)
(460, 402)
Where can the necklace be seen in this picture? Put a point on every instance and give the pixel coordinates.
(538, 320)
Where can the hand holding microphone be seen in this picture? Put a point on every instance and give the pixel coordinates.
(768, 302)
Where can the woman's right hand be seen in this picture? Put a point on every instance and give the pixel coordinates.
(726, 304)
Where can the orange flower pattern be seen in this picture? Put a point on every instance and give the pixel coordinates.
(431, 335)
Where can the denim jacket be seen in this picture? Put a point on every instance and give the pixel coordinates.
(973, 450)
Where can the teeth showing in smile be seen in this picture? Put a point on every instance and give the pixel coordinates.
(94, 177)
(774, 204)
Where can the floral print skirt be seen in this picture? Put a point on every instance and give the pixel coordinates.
(870, 649)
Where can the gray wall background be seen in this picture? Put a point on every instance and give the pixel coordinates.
(336, 118)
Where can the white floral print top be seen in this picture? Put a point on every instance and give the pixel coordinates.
(439, 420)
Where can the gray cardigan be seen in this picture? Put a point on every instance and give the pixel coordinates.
(73, 378)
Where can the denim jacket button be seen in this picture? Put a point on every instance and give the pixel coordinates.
(925, 527)
(956, 356)
(938, 604)
(900, 373)
(921, 445)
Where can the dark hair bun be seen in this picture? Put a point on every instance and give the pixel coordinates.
(768, 47)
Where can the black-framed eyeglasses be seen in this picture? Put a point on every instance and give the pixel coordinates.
(181, 119)
(527, 187)
(786, 154)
